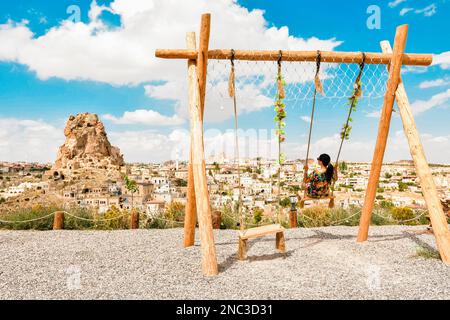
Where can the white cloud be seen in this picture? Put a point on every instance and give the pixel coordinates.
(249, 98)
(434, 83)
(29, 140)
(442, 60)
(405, 11)
(307, 119)
(395, 3)
(428, 11)
(146, 117)
(436, 100)
(125, 55)
(373, 114)
(150, 146)
(413, 69)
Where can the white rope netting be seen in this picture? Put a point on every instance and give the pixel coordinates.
(256, 83)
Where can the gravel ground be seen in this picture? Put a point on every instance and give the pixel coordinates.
(320, 263)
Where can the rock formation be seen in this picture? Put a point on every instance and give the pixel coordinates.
(87, 146)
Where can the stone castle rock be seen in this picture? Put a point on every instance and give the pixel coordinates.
(87, 146)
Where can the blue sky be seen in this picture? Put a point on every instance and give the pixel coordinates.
(51, 67)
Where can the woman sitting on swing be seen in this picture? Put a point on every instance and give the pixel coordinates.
(317, 183)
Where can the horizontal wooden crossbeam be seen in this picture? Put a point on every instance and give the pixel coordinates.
(412, 59)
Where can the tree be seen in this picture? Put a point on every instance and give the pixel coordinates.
(181, 182)
(343, 166)
(285, 203)
(402, 186)
(132, 187)
(387, 175)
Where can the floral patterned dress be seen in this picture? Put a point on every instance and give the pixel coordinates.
(317, 185)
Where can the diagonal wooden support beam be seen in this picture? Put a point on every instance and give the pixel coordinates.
(437, 216)
(207, 246)
(383, 131)
(190, 216)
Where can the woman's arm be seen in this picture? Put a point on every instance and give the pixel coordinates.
(306, 177)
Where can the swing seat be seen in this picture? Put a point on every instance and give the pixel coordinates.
(306, 198)
(259, 232)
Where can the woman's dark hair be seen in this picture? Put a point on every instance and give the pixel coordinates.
(326, 160)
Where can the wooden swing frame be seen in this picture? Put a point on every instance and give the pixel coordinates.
(198, 201)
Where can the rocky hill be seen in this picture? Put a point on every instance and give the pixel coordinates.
(86, 159)
(87, 145)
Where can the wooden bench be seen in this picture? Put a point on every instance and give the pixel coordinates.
(259, 232)
(330, 198)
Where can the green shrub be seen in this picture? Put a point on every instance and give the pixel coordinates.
(257, 215)
(386, 204)
(28, 214)
(403, 215)
(382, 216)
(229, 218)
(318, 216)
(115, 219)
(285, 203)
(171, 217)
(71, 223)
(89, 219)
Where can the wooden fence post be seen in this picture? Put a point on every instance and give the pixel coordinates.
(293, 218)
(437, 216)
(190, 217)
(58, 220)
(134, 219)
(383, 131)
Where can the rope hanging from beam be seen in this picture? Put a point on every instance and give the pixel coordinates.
(317, 87)
(232, 94)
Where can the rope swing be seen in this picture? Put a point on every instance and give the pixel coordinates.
(345, 132)
(232, 94)
(317, 88)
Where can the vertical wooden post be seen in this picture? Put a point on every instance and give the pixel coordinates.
(280, 243)
(209, 260)
(58, 220)
(134, 223)
(202, 59)
(293, 218)
(190, 217)
(383, 131)
(242, 249)
(437, 216)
